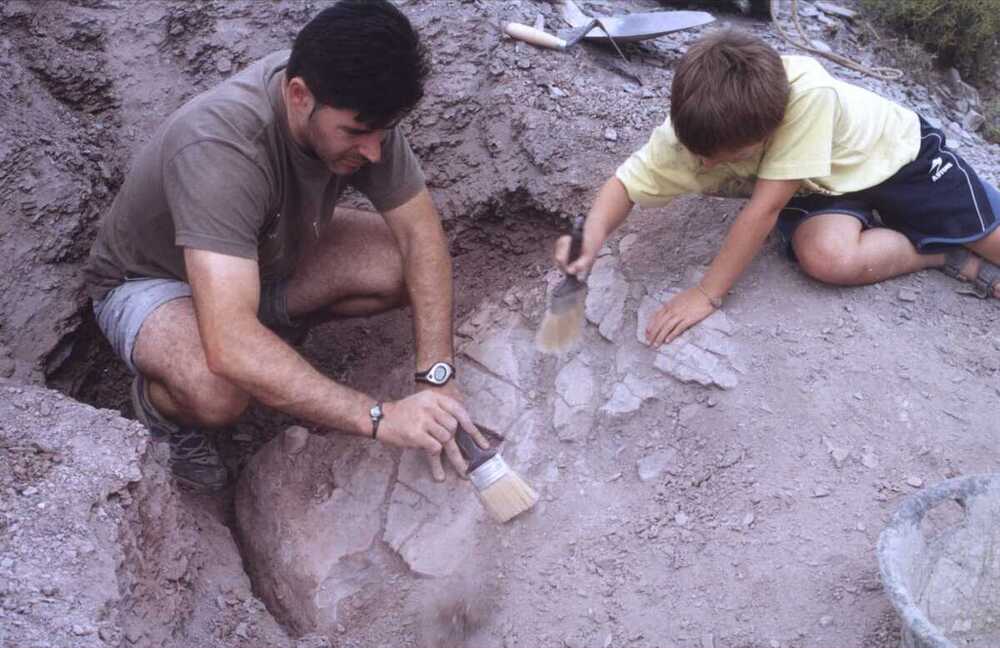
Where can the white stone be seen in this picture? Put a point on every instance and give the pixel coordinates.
(626, 243)
(652, 466)
(622, 401)
(973, 121)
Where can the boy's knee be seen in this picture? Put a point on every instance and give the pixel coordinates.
(828, 261)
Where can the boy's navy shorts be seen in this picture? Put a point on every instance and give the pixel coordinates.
(937, 200)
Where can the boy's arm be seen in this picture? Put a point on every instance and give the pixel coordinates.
(745, 238)
(608, 212)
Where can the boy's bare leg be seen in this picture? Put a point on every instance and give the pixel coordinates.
(987, 248)
(834, 248)
(356, 270)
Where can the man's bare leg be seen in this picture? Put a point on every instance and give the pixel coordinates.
(355, 270)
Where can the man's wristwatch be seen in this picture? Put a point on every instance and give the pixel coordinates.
(376, 415)
(438, 374)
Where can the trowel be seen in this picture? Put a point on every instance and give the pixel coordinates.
(622, 28)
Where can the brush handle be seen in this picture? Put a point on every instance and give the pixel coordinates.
(576, 239)
(475, 455)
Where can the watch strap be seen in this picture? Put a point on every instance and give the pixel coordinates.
(376, 419)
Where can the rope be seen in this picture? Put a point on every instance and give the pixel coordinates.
(884, 73)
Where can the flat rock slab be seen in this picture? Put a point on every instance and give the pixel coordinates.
(576, 388)
(607, 291)
(704, 354)
(306, 506)
(430, 524)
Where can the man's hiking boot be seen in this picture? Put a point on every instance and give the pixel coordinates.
(194, 459)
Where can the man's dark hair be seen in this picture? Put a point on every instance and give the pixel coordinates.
(729, 90)
(361, 55)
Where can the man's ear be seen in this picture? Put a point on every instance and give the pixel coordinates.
(299, 96)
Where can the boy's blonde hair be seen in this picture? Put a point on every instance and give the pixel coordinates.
(729, 91)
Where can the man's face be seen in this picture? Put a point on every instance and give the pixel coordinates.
(727, 157)
(344, 144)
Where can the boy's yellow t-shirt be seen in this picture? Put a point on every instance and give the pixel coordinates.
(835, 137)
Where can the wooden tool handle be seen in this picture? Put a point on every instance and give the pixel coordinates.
(533, 36)
(576, 239)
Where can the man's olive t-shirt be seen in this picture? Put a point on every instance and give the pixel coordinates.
(223, 174)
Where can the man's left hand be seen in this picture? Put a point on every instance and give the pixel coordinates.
(455, 457)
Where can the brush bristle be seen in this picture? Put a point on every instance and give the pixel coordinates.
(560, 331)
(508, 497)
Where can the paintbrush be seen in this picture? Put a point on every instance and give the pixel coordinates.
(563, 321)
(501, 490)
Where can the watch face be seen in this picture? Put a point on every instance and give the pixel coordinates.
(440, 373)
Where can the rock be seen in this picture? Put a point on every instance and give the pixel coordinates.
(826, 620)
(821, 46)
(702, 354)
(973, 121)
(836, 10)
(907, 295)
(915, 481)
(626, 243)
(652, 466)
(429, 524)
(611, 135)
(575, 390)
(607, 291)
(505, 347)
(622, 401)
(493, 402)
(307, 519)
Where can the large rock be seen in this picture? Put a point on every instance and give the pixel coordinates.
(607, 291)
(576, 391)
(98, 547)
(307, 511)
(704, 354)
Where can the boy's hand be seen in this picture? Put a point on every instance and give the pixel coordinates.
(678, 315)
(581, 266)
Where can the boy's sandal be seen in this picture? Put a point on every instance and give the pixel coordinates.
(983, 285)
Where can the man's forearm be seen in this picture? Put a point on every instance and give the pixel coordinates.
(259, 362)
(427, 272)
(429, 281)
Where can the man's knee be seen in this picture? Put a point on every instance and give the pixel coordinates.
(828, 259)
(212, 400)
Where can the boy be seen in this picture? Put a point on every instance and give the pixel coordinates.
(817, 157)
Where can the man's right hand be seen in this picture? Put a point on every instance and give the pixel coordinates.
(428, 420)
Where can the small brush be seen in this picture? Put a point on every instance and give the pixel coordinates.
(563, 321)
(501, 490)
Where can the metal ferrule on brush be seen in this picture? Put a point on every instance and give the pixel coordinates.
(489, 472)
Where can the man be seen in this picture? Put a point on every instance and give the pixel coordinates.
(222, 246)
